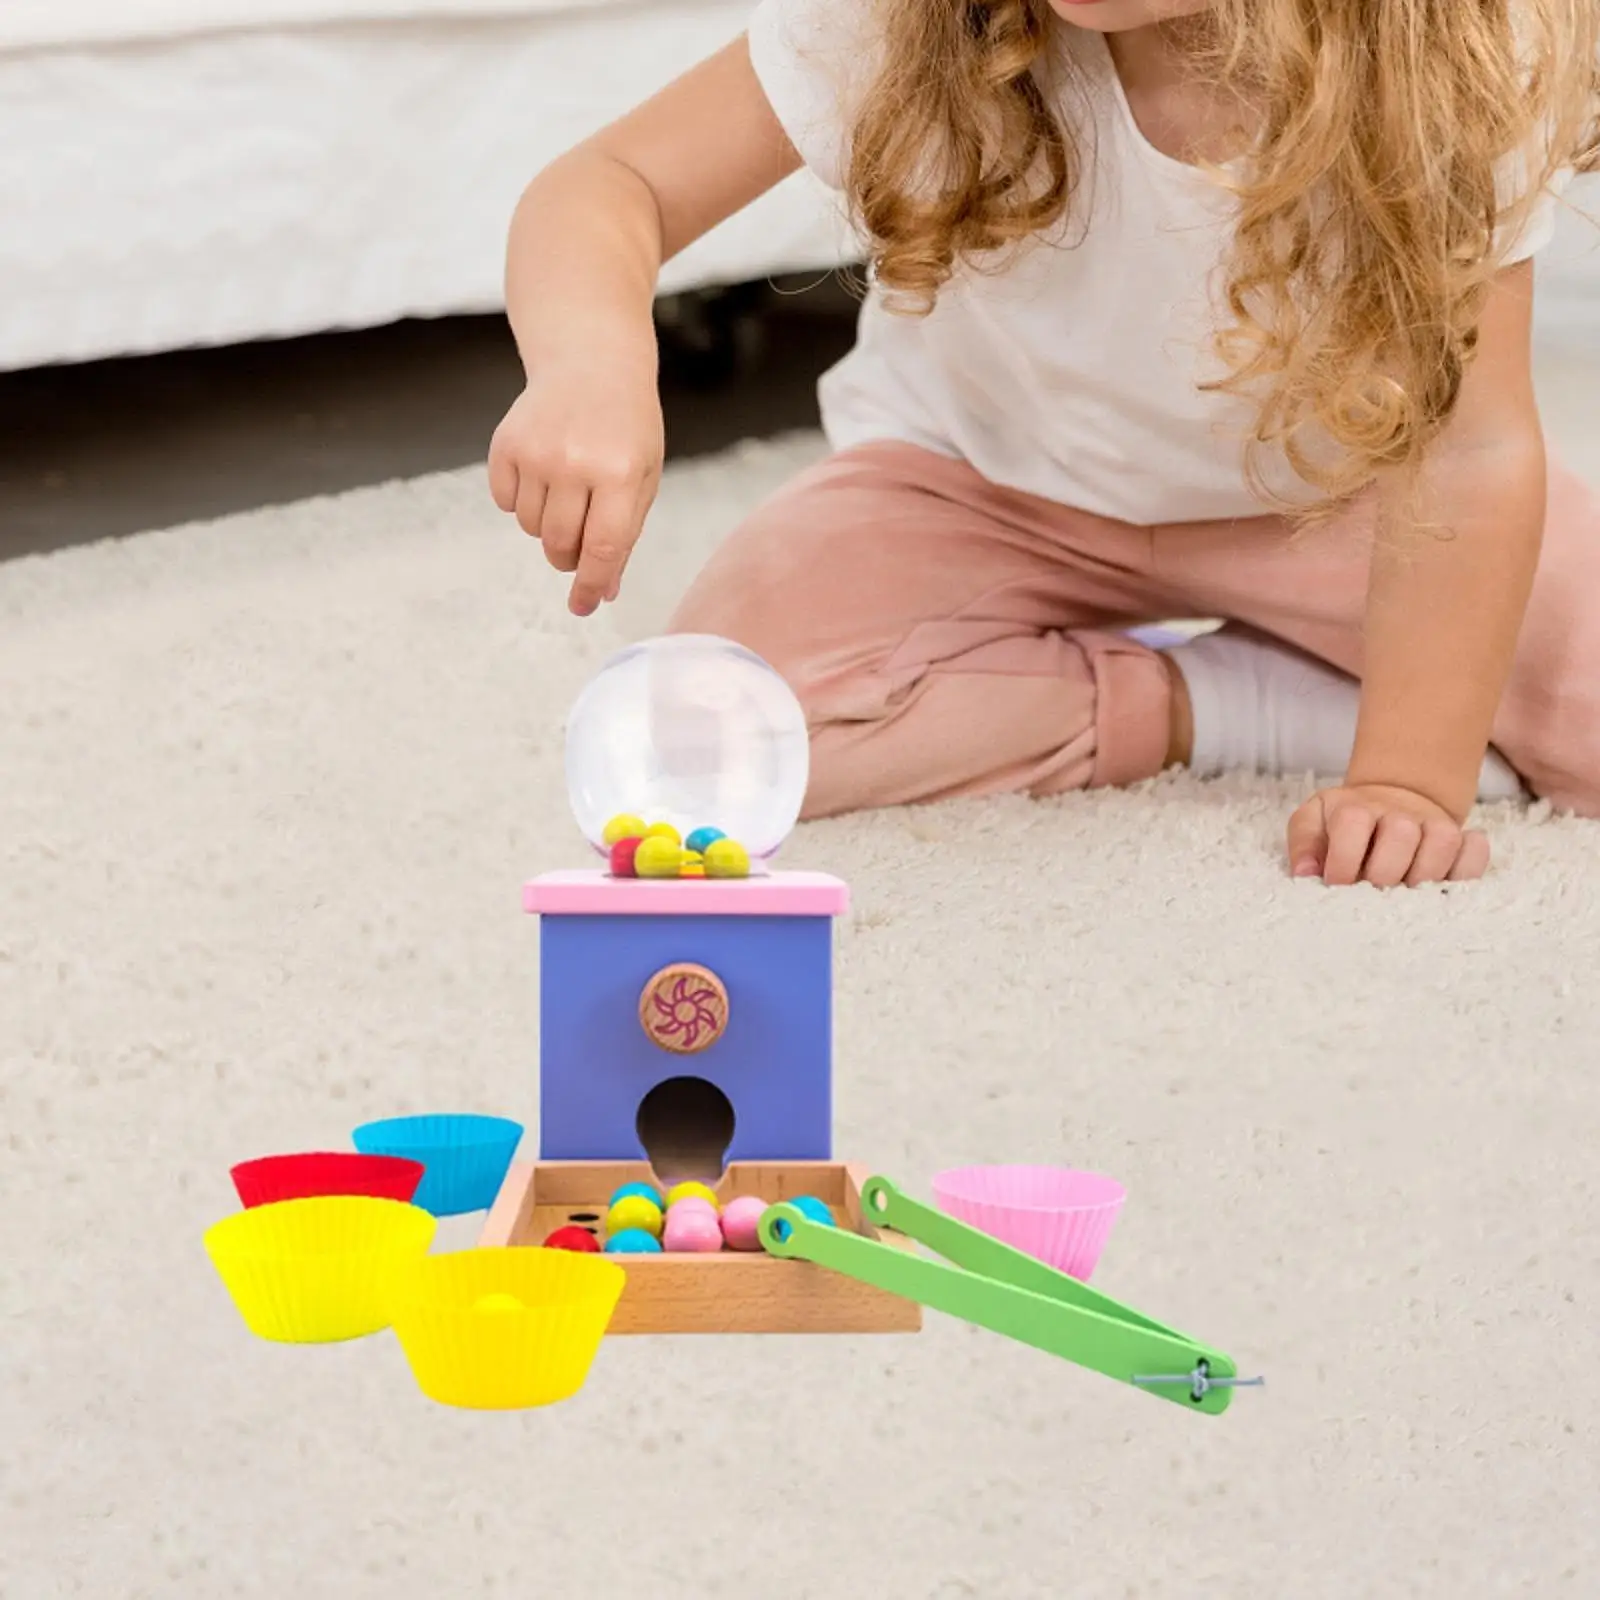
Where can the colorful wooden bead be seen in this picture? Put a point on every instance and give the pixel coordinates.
(657, 857)
(702, 839)
(664, 830)
(691, 1230)
(693, 1202)
(813, 1210)
(633, 1242)
(681, 1191)
(623, 827)
(646, 1191)
(726, 858)
(622, 858)
(692, 865)
(579, 1240)
(634, 1211)
(740, 1219)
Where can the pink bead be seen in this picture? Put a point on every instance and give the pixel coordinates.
(693, 1202)
(691, 1229)
(739, 1220)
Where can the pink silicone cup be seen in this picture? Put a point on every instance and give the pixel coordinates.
(1058, 1214)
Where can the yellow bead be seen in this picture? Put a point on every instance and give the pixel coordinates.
(663, 830)
(634, 1211)
(692, 866)
(623, 827)
(497, 1302)
(727, 858)
(682, 1191)
(658, 857)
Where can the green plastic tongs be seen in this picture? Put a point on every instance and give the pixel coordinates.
(988, 1283)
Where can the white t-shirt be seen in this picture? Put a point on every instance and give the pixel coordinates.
(1074, 373)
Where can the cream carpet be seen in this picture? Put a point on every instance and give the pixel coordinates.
(269, 790)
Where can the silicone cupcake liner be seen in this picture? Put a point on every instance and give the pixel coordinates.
(317, 1270)
(466, 1157)
(267, 1179)
(500, 1360)
(1062, 1216)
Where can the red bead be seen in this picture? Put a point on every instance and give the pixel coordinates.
(622, 854)
(573, 1238)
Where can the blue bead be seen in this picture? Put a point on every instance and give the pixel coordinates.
(701, 838)
(813, 1210)
(645, 1191)
(632, 1242)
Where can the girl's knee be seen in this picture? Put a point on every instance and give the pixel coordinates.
(1568, 779)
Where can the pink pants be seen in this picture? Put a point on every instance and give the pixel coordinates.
(948, 637)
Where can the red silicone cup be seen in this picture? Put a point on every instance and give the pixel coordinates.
(318, 1172)
(1058, 1214)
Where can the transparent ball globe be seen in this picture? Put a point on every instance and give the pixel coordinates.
(695, 731)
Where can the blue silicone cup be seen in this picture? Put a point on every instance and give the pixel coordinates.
(465, 1158)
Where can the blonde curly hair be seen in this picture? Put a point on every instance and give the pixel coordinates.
(1369, 192)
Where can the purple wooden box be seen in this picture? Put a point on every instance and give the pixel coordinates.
(768, 941)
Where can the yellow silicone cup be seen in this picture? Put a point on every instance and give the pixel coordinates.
(498, 1358)
(318, 1270)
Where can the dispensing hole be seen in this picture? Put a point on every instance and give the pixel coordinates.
(685, 1126)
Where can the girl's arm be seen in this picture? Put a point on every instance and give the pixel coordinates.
(578, 456)
(592, 230)
(1451, 574)
(1445, 602)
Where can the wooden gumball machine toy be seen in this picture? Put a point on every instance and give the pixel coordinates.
(686, 1004)
(686, 1110)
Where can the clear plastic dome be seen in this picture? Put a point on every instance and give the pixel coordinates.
(694, 731)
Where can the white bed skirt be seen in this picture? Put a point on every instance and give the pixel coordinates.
(206, 187)
(32, 23)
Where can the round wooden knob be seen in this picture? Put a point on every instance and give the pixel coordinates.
(684, 1008)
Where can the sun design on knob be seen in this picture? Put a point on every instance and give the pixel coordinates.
(684, 1009)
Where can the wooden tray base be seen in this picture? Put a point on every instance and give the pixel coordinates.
(731, 1292)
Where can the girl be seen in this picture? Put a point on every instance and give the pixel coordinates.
(1213, 308)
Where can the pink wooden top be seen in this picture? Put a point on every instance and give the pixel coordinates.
(597, 893)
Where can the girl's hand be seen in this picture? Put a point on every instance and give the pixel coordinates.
(1372, 833)
(578, 457)
(578, 460)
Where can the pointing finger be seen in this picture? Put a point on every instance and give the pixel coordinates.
(608, 539)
